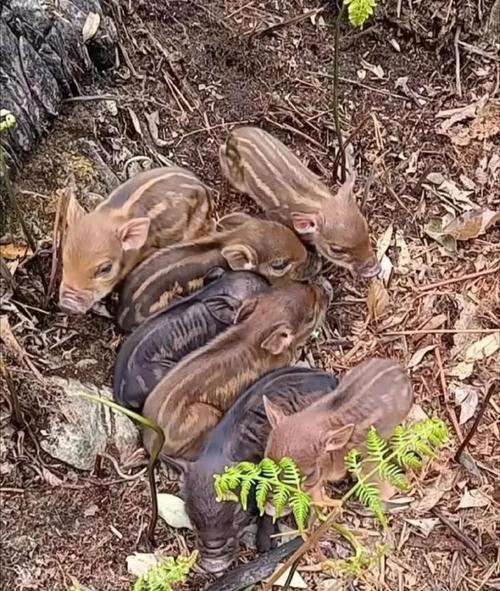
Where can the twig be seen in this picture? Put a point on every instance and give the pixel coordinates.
(479, 51)
(444, 388)
(459, 279)
(349, 140)
(460, 535)
(14, 399)
(207, 129)
(458, 81)
(7, 275)
(442, 331)
(285, 22)
(336, 118)
(57, 238)
(91, 97)
(477, 420)
(362, 85)
(295, 131)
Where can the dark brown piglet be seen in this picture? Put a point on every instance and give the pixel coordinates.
(240, 435)
(268, 330)
(158, 344)
(375, 393)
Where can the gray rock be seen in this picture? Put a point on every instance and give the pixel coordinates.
(79, 430)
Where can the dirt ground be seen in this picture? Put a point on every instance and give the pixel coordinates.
(186, 72)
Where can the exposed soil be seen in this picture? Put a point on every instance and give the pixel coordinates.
(198, 68)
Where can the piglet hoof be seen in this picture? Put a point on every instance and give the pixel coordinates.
(265, 529)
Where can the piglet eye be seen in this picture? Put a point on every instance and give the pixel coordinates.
(104, 269)
(280, 264)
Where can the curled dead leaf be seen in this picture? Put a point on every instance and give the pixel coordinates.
(434, 229)
(417, 357)
(14, 251)
(384, 242)
(90, 26)
(473, 498)
(471, 224)
(377, 299)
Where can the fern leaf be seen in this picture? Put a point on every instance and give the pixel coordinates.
(289, 472)
(353, 463)
(280, 499)
(300, 503)
(369, 494)
(269, 468)
(394, 475)
(245, 487)
(261, 493)
(359, 11)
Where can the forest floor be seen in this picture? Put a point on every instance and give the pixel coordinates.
(428, 146)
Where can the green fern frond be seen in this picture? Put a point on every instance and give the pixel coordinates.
(245, 488)
(394, 475)
(289, 472)
(269, 469)
(280, 498)
(300, 503)
(359, 11)
(353, 463)
(170, 572)
(262, 491)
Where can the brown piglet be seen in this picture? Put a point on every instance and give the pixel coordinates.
(258, 164)
(376, 393)
(262, 246)
(268, 329)
(149, 211)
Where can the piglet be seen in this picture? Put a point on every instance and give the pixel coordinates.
(375, 393)
(151, 210)
(241, 435)
(158, 344)
(268, 330)
(258, 164)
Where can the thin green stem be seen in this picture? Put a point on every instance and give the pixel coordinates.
(158, 445)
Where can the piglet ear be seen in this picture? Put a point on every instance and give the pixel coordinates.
(245, 310)
(279, 340)
(134, 233)
(346, 191)
(179, 464)
(75, 211)
(306, 223)
(274, 413)
(338, 438)
(240, 257)
(233, 220)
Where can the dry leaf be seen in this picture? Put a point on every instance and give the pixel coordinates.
(139, 563)
(90, 27)
(417, 357)
(434, 229)
(467, 398)
(377, 299)
(50, 477)
(9, 339)
(483, 348)
(14, 251)
(172, 510)
(450, 189)
(435, 493)
(385, 269)
(425, 525)
(471, 224)
(473, 498)
(462, 370)
(135, 121)
(376, 70)
(384, 242)
(297, 581)
(403, 264)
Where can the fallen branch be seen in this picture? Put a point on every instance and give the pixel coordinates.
(477, 420)
(444, 388)
(442, 331)
(458, 279)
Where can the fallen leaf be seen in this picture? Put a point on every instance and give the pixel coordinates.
(483, 348)
(14, 251)
(91, 510)
(417, 357)
(50, 477)
(90, 26)
(403, 264)
(139, 563)
(384, 242)
(376, 70)
(471, 224)
(297, 581)
(172, 510)
(385, 269)
(153, 120)
(473, 498)
(9, 339)
(462, 370)
(434, 229)
(135, 121)
(377, 299)
(467, 398)
(435, 493)
(425, 525)
(417, 413)
(450, 189)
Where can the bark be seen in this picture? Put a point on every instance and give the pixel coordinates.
(43, 57)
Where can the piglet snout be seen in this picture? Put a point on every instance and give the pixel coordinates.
(73, 301)
(369, 269)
